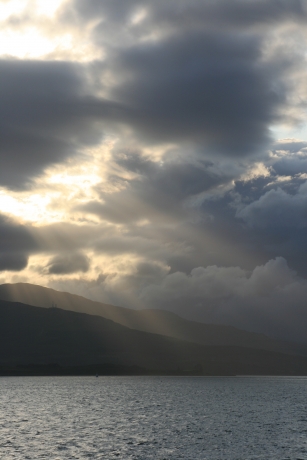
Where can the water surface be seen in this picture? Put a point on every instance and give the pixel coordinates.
(153, 418)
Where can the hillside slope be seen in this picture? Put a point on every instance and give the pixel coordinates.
(32, 335)
(154, 321)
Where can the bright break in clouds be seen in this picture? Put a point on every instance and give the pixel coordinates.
(154, 155)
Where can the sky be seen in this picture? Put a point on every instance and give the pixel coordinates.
(154, 155)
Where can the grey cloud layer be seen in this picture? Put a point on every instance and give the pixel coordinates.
(158, 191)
(217, 13)
(47, 114)
(68, 263)
(16, 243)
(37, 125)
(192, 83)
(199, 77)
(269, 299)
(206, 87)
(277, 209)
(200, 86)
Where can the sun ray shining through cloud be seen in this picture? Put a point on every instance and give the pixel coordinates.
(154, 155)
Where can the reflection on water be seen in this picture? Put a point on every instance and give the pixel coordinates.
(153, 418)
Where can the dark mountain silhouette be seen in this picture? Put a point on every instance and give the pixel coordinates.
(69, 342)
(153, 321)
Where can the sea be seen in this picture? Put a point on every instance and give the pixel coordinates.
(161, 418)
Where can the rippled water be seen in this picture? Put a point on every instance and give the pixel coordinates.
(153, 418)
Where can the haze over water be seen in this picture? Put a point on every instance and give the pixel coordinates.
(153, 418)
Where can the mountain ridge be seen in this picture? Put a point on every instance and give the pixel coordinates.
(37, 338)
(153, 321)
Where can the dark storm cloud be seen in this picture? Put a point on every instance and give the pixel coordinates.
(205, 77)
(205, 87)
(114, 9)
(13, 261)
(291, 166)
(277, 209)
(33, 113)
(192, 12)
(270, 212)
(68, 263)
(15, 237)
(261, 218)
(16, 242)
(200, 86)
(236, 13)
(295, 159)
(47, 114)
(277, 222)
(19, 241)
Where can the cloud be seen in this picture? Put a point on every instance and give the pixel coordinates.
(274, 215)
(154, 160)
(47, 114)
(194, 72)
(201, 86)
(270, 299)
(13, 261)
(190, 14)
(277, 208)
(16, 242)
(69, 263)
(293, 161)
(214, 283)
(157, 191)
(205, 87)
